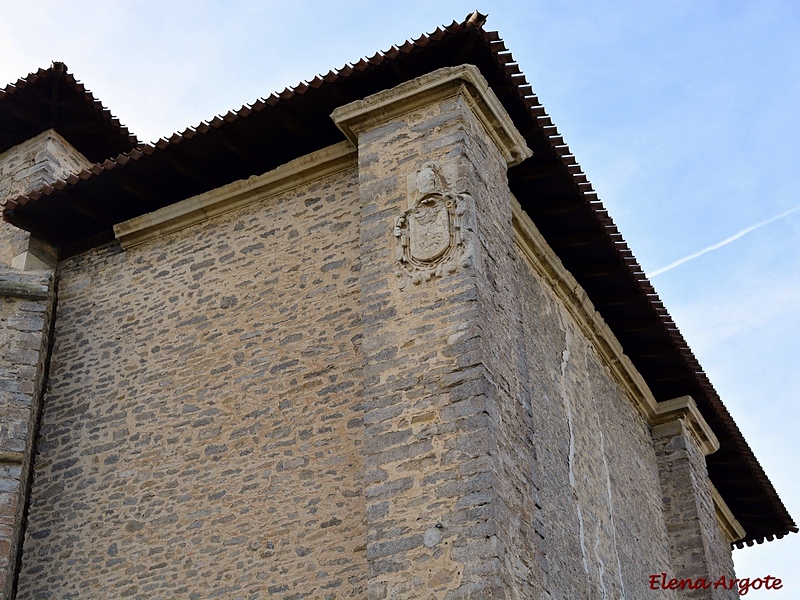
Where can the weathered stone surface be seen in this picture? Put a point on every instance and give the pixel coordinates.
(13, 242)
(698, 547)
(451, 514)
(201, 391)
(40, 160)
(26, 304)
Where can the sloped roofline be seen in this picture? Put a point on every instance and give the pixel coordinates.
(76, 214)
(53, 99)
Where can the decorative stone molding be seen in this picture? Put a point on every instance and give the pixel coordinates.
(685, 409)
(544, 261)
(236, 195)
(28, 286)
(541, 258)
(430, 235)
(465, 81)
(728, 524)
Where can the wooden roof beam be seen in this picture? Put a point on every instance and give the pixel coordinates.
(399, 71)
(141, 191)
(579, 239)
(191, 169)
(625, 325)
(617, 299)
(61, 103)
(662, 353)
(82, 127)
(297, 128)
(23, 114)
(240, 147)
(89, 209)
(36, 227)
(600, 270)
(559, 207)
(528, 172)
(54, 91)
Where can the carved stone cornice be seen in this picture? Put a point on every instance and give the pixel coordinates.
(685, 409)
(465, 81)
(544, 261)
(235, 195)
(727, 523)
(29, 285)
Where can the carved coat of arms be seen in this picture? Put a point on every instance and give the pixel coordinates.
(430, 234)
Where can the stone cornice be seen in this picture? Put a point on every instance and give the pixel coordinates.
(685, 409)
(235, 195)
(465, 81)
(727, 523)
(11, 457)
(545, 262)
(29, 285)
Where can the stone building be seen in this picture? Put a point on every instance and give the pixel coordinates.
(372, 337)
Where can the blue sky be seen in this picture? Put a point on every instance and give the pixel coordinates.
(682, 114)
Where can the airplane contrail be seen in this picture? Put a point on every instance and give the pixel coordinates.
(724, 242)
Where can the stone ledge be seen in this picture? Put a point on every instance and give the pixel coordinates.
(727, 523)
(236, 195)
(11, 457)
(30, 285)
(684, 408)
(545, 262)
(465, 81)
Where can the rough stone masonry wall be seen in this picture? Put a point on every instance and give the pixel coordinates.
(503, 458)
(26, 305)
(518, 517)
(27, 166)
(39, 160)
(202, 436)
(13, 242)
(450, 490)
(698, 547)
(604, 530)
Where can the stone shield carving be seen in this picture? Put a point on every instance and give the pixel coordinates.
(429, 235)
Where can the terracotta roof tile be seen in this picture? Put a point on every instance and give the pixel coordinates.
(116, 134)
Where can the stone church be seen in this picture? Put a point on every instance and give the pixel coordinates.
(372, 337)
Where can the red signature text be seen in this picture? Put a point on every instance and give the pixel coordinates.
(742, 585)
